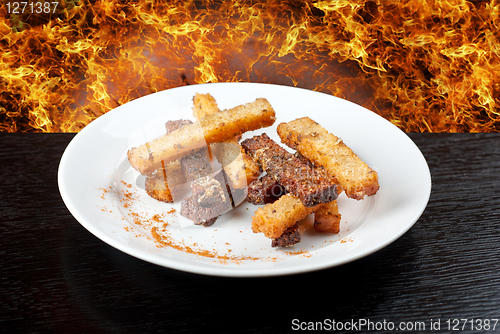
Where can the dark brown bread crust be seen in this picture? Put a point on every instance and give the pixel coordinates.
(299, 179)
(196, 165)
(264, 191)
(197, 170)
(205, 215)
(290, 237)
(200, 215)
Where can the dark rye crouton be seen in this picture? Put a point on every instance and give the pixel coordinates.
(299, 179)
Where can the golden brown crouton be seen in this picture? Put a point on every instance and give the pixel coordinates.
(273, 219)
(323, 148)
(213, 128)
(327, 218)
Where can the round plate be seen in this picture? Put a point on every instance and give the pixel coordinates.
(107, 196)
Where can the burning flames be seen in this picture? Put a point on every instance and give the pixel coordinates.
(427, 66)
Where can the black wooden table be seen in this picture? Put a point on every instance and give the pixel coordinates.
(58, 278)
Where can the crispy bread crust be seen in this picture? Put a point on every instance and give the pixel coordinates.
(164, 183)
(238, 166)
(203, 105)
(325, 149)
(157, 183)
(290, 237)
(298, 178)
(197, 170)
(216, 127)
(171, 126)
(201, 214)
(327, 218)
(265, 190)
(273, 219)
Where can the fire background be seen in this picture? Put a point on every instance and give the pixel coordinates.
(427, 66)
(432, 68)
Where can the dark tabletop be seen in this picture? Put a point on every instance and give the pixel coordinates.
(56, 277)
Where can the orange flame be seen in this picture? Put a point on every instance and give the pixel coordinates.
(427, 66)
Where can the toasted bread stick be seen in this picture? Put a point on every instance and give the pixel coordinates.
(213, 128)
(273, 219)
(198, 171)
(160, 184)
(319, 169)
(290, 237)
(205, 188)
(265, 190)
(295, 176)
(205, 215)
(209, 198)
(171, 126)
(327, 218)
(238, 166)
(203, 105)
(164, 183)
(323, 148)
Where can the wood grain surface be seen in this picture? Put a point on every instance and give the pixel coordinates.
(58, 278)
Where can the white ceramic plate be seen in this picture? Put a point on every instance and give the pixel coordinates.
(107, 196)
